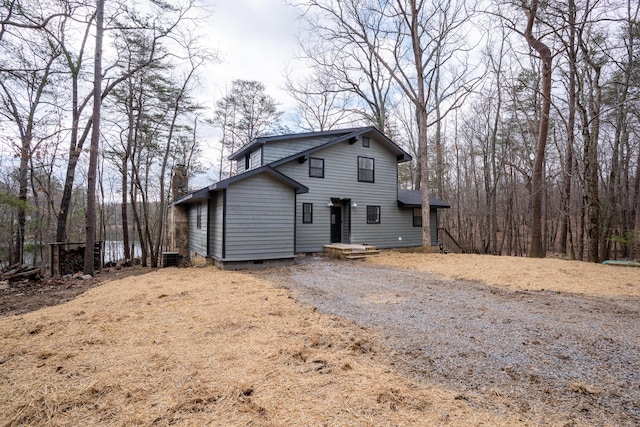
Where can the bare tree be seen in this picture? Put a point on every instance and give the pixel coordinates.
(95, 142)
(131, 100)
(590, 106)
(569, 43)
(342, 66)
(245, 113)
(157, 29)
(181, 105)
(537, 249)
(410, 40)
(16, 15)
(322, 104)
(25, 84)
(619, 100)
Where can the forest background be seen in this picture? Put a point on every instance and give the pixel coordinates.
(524, 116)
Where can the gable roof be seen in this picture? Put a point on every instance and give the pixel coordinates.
(341, 135)
(203, 193)
(413, 199)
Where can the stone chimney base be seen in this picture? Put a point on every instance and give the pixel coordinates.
(179, 230)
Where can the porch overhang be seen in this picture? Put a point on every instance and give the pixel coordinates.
(413, 199)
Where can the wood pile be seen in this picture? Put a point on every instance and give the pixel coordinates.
(19, 272)
(68, 258)
(71, 261)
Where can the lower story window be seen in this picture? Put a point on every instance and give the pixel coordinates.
(199, 216)
(373, 214)
(307, 213)
(417, 217)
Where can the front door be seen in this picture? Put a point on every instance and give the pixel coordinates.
(336, 224)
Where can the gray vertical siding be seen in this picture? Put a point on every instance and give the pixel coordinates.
(341, 181)
(415, 234)
(198, 237)
(215, 238)
(240, 165)
(433, 223)
(255, 160)
(260, 219)
(276, 150)
(346, 225)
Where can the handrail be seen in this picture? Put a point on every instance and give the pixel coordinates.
(448, 242)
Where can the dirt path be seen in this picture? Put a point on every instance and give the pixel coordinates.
(556, 358)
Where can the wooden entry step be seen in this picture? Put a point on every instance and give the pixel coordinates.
(347, 251)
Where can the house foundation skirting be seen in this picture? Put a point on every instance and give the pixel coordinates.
(198, 260)
(253, 264)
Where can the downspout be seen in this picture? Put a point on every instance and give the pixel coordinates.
(295, 221)
(209, 226)
(224, 223)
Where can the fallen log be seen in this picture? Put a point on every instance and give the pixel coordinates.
(17, 272)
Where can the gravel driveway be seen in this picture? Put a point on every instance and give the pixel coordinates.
(556, 359)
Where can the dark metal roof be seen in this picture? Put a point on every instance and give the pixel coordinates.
(203, 193)
(341, 135)
(193, 197)
(413, 199)
(264, 139)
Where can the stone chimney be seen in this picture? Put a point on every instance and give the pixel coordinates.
(178, 216)
(179, 182)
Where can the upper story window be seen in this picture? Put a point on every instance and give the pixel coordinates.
(250, 161)
(316, 167)
(365, 141)
(365, 169)
(307, 213)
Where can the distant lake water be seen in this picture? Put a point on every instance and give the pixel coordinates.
(114, 250)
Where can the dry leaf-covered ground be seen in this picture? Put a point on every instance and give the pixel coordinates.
(518, 273)
(207, 347)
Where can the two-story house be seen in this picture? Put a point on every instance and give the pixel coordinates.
(297, 193)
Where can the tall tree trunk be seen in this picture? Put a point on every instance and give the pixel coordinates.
(568, 159)
(493, 195)
(74, 62)
(155, 252)
(23, 183)
(422, 119)
(35, 85)
(124, 206)
(537, 249)
(138, 227)
(128, 256)
(438, 142)
(95, 142)
(635, 249)
(591, 135)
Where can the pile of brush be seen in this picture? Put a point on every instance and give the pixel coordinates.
(19, 272)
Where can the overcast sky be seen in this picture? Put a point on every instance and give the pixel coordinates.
(256, 40)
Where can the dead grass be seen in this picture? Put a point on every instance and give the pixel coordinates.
(517, 273)
(206, 347)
